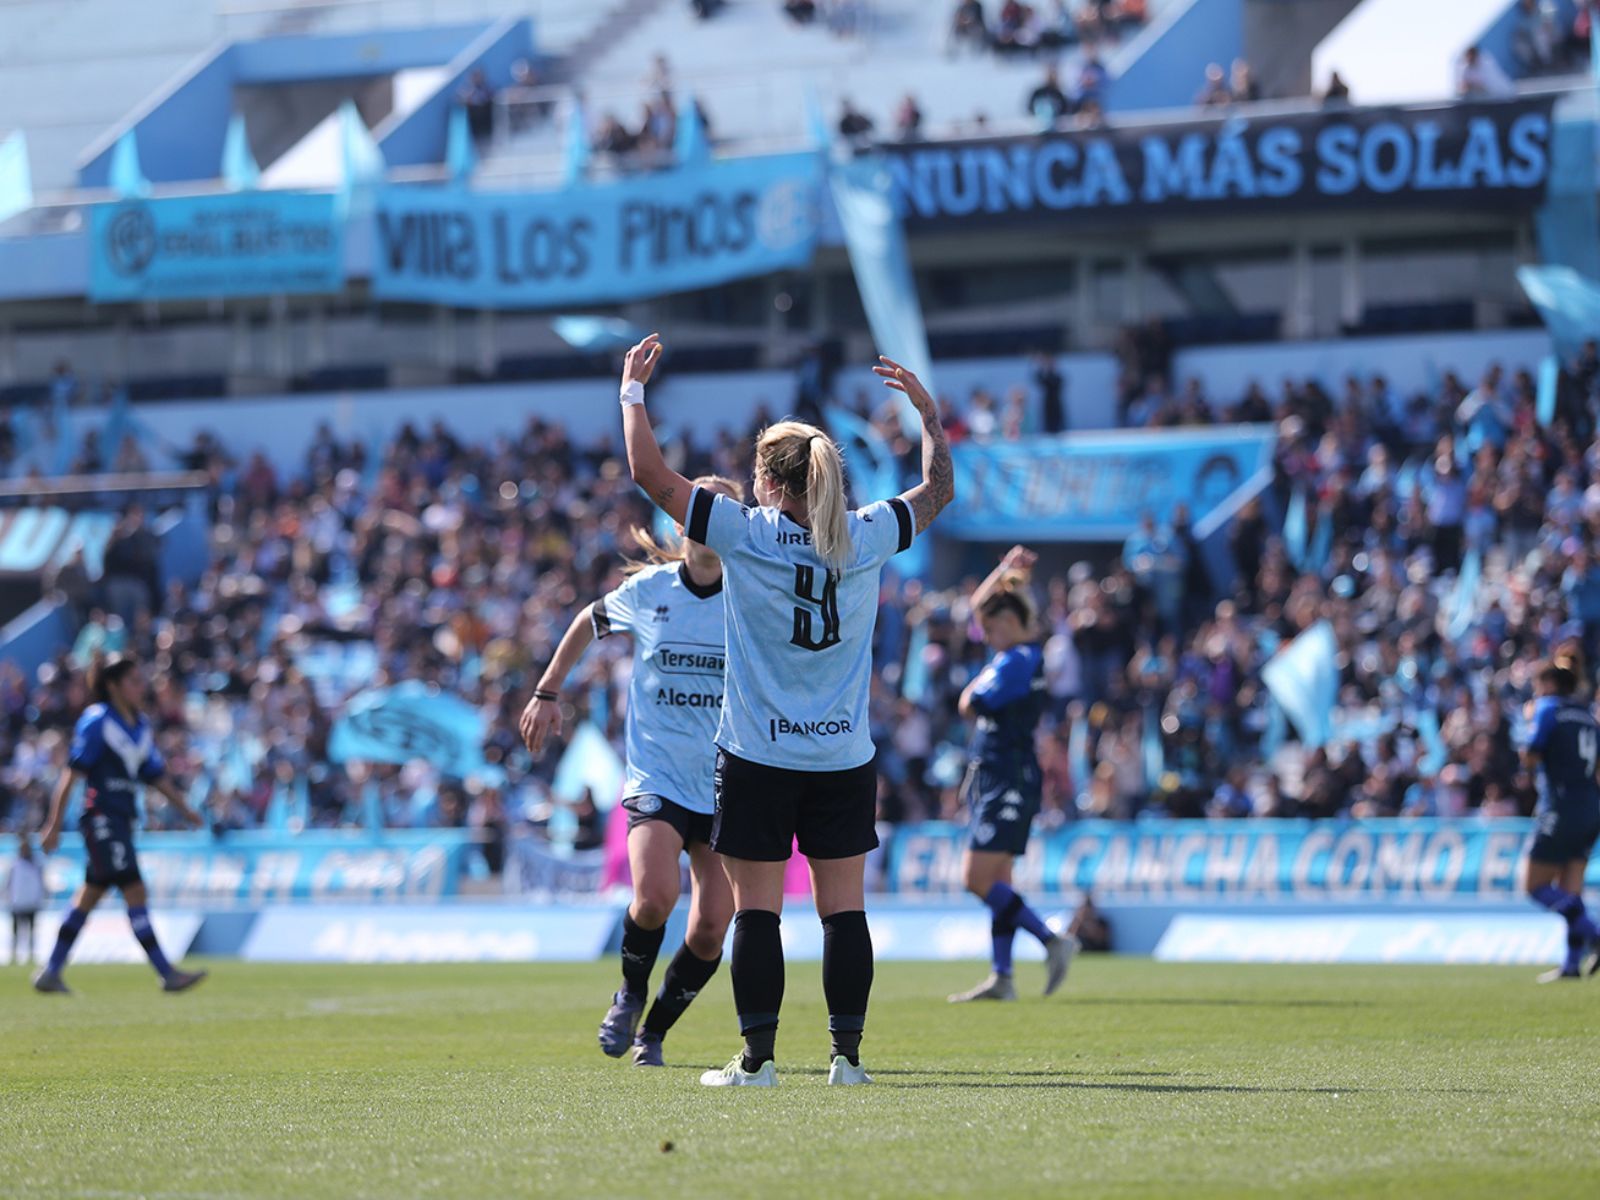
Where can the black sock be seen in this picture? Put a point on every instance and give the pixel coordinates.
(639, 949)
(847, 979)
(686, 974)
(757, 970)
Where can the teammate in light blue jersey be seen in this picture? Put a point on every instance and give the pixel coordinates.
(794, 761)
(113, 756)
(673, 610)
(1002, 790)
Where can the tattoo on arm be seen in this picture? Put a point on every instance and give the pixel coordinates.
(938, 486)
(665, 494)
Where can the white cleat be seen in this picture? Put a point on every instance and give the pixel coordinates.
(1058, 957)
(734, 1075)
(996, 987)
(842, 1074)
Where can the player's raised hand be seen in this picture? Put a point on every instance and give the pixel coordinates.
(539, 720)
(50, 840)
(641, 361)
(903, 379)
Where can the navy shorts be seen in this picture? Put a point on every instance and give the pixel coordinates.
(109, 841)
(690, 826)
(1560, 837)
(1001, 807)
(763, 811)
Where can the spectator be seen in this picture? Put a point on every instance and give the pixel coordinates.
(1533, 38)
(1052, 394)
(1090, 926)
(1337, 93)
(968, 28)
(908, 119)
(1047, 103)
(1215, 92)
(705, 9)
(1242, 85)
(1016, 29)
(25, 896)
(1480, 77)
(1093, 79)
(801, 12)
(477, 97)
(855, 126)
(1089, 116)
(132, 570)
(613, 137)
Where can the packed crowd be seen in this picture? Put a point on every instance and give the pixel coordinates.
(1012, 27)
(461, 565)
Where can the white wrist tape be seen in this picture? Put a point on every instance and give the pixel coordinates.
(632, 393)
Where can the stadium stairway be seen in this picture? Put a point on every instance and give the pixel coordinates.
(1404, 51)
(752, 68)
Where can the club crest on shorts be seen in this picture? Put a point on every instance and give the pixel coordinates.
(645, 805)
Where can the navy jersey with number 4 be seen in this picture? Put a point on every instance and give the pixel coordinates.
(1567, 740)
(116, 758)
(1009, 699)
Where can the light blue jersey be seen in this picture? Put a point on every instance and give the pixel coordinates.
(676, 690)
(799, 635)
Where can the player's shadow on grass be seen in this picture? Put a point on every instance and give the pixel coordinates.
(1214, 1002)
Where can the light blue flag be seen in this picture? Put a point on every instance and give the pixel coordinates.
(690, 145)
(1436, 753)
(1549, 384)
(16, 177)
(592, 334)
(460, 156)
(300, 809)
(1078, 755)
(575, 145)
(589, 762)
(1568, 303)
(372, 806)
(817, 130)
(407, 722)
(362, 165)
(240, 171)
(914, 681)
(127, 177)
(1321, 543)
(277, 814)
(1463, 600)
(1303, 677)
(1294, 528)
(1154, 753)
(876, 240)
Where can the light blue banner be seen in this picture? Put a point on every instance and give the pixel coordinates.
(1095, 487)
(231, 244)
(1281, 860)
(573, 933)
(407, 722)
(260, 867)
(1531, 938)
(648, 235)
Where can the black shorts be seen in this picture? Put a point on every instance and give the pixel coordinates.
(690, 826)
(109, 841)
(1001, 808)
(1562, 837)
(761, 810)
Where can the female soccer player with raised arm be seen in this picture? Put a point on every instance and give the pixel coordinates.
(672, 607)
(794, 757)
(1002, 787)
(1563, 746)
(113, 753)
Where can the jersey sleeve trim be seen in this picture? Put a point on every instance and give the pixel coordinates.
(699, 523)
(600, 619)
(908, 529)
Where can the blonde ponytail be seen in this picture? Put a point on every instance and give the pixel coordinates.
(830, 531)
(804, 463)
(654, 552)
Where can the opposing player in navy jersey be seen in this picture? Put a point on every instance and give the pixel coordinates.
(672, 608)
(1003, 785)
(1563, 745)
(794, 762)
(113, 755)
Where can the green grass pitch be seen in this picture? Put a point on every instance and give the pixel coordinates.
(1140, 1079)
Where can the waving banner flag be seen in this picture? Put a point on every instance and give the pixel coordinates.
(407, 722)
(1303, 678)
